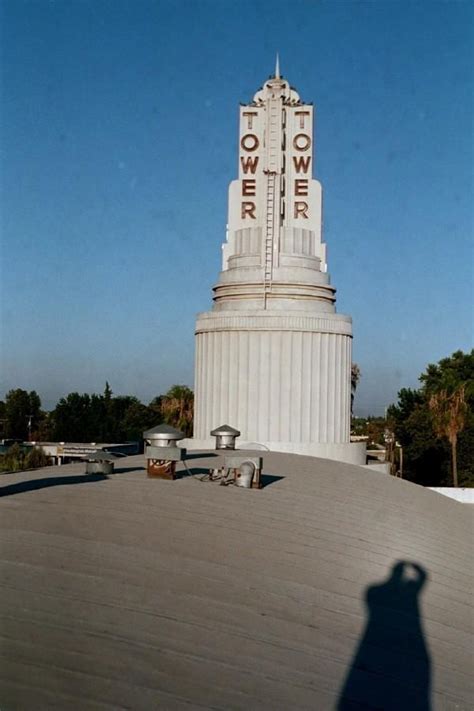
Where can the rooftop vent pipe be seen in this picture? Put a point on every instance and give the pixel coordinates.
(162, 451)
(225, 436)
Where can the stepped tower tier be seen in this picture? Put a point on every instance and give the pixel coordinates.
(273, 358)
(274, 257)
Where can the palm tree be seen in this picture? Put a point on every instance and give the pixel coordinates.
(449, 417)
(177, 408)
(355, 377)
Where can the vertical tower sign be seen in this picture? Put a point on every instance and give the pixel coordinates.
(273, 358)
(275, 161)
(275, 199)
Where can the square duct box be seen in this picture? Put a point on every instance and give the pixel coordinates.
(162, 451)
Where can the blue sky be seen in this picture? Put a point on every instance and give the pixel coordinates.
(119, 139)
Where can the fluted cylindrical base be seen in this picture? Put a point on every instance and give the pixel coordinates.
(275, 377)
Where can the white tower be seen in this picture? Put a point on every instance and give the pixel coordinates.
(273, 358)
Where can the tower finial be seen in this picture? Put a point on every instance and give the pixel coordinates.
(277, 67)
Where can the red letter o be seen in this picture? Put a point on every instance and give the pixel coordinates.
(254, 142)
(307, 142)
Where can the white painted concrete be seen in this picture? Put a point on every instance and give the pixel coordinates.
(465, 496)
(274, 385)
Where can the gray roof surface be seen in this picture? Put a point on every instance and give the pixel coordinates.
(137, 593)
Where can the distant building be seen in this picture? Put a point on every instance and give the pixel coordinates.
(64, 452)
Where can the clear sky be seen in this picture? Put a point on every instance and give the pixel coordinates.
(119, 139)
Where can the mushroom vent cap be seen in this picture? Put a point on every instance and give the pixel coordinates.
(163, 432)
(225, 430)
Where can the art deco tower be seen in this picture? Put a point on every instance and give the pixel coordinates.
(272, 356)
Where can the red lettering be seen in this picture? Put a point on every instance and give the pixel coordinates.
(249, 115)
(301, 208)
(254, 142)
(248, 187)
(301, 142)
(249, 163)
(301, 186)
(248, 208)
(301, 114)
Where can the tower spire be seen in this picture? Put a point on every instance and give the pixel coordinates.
(277, 67)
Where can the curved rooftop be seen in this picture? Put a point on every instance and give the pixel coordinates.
(333, 587)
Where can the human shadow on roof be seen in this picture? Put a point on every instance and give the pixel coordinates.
(391, 668)
(34, 484)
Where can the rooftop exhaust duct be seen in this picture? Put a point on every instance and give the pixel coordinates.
(225, 436)
(162, 451)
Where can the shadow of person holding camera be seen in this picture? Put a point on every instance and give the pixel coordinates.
(391, 669)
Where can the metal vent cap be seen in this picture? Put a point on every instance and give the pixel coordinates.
(225, 430)
(163, 436)
(225, 436)
(163, 432)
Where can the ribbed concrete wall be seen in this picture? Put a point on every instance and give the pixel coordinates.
(274, 385)
(132, 593)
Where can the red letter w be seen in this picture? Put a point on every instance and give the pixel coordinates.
(301, 163)
(249, 163)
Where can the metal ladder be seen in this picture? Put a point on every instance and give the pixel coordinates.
(274, 148)
(269, 235)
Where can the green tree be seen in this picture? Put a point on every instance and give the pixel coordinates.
(101, 418)
(43, 432)
(371, 427)
(355, 377)
(16, 459)
(136, 419)
(71, 419)
(155, 408)
(22, 408)
(449, 373)
(36, 458)
(12, 460)
(118, 410)
(107, 392)
(3, 419)
(424, 454)
(109, 424)
(98, 419)
(449, 419)
(422, 430)
(177, 408)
